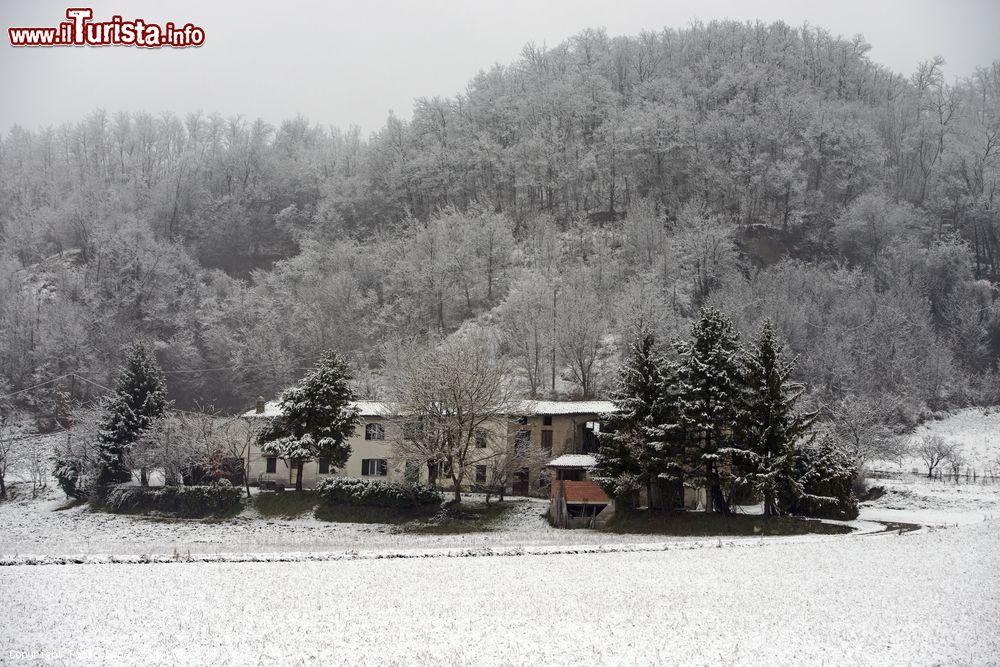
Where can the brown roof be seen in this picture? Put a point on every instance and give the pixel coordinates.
(586, 491)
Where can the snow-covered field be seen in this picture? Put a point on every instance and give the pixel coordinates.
(924, 597)
(34, 528)
(928, 597)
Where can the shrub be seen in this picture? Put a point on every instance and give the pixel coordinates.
(826, 477)
(376, 493)
(185, 501)
(67, 474)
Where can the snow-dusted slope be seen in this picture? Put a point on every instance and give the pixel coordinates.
(975, 431)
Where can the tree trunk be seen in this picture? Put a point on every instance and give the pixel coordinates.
(298, 477)
(3, 488)
(143, 477)
(718, 500)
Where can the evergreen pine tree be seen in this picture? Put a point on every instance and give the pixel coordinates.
(317, 417)
(768, 429)
(138, 402)
(824, 482)
(632, 450)
(708, 394)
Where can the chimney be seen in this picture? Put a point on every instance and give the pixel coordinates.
(259, 405)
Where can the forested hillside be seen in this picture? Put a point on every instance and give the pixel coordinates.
(767, 170)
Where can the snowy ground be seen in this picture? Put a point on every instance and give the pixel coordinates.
(35, 528)
(523, 593)
(976, 431)
(929, 597)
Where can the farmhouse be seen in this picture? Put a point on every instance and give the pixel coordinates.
(551, 428)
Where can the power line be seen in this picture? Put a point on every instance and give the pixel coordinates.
(231, 368)
(170, 372)
(88, 381)
(40, 384)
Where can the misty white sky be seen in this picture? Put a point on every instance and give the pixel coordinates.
(342, 63)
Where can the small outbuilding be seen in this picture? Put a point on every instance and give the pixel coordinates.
(576, 500)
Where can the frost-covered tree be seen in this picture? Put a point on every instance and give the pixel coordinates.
(634, 444)
(77, 458)
(708, 398)
(581, 326)
(11, 432)
(861, 426)
(138, 402)
(824, 476)
(447, 394)
(317, 417)
(956, 461)
(934, 450)
(768, 429)
(504, 456)
(526, 321)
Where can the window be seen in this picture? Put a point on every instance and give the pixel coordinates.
(522, 438)
(590, 432)
(374, 467)
(547, 440)
(522, 420)
(481, 438)
(324, 466)
(480, 474)
(374, 432)
(546, 420)
(272, 464)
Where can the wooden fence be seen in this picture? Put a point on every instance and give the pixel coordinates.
(969, 477)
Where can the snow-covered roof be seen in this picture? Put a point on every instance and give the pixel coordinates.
(365, 409)
(573, 461)
(382, 409)
(565, 407)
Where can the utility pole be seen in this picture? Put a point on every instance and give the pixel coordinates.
(555, 290)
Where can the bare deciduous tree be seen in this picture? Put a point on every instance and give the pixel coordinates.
(861, 426)
(581, 327)
(504, 455)
(956, 461)
(11, 433)
(446, 393)
(933, 450)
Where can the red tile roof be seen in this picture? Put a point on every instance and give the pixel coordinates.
(586, 491)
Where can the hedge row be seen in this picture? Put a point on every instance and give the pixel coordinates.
(376, 493)
(185, 501)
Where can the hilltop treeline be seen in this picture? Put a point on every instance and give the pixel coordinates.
(768, 170)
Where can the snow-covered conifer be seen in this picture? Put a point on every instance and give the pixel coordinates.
(708, 395)
(633, 451)
(317, 417)
(138, 402)
(768, 429)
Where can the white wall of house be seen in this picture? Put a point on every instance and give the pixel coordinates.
(565, 437)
